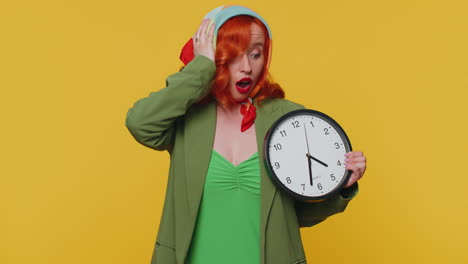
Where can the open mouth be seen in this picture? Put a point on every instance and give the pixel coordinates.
(243, 86)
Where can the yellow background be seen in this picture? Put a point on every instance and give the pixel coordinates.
(77, 188)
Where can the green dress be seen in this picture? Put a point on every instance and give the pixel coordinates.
(228, 223)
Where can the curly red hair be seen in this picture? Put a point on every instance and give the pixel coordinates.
(233, 39)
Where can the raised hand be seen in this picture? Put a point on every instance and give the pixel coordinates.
(203, 40)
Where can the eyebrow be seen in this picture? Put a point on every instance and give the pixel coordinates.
(258, 44)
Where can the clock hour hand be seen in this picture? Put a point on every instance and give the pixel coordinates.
(317, 160)
(310, 169)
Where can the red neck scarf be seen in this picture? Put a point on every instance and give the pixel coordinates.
(248, 110)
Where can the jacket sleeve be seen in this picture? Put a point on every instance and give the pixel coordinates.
(312, 213)
(151, 120)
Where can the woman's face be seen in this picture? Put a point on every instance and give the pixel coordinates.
(245, 70)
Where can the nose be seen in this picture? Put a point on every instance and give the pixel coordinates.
(245, 65)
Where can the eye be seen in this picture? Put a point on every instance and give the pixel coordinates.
(256, 55)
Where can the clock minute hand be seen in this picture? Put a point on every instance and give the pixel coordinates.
(317, 160)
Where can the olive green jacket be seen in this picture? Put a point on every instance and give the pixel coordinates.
(170, 120)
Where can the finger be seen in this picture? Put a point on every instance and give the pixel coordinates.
(355, 159)
(359, 168)
(354, 154)
(199, 31)
(351, 181)
(211, 32)
(202, 34)
(360, 165)
(204, 38)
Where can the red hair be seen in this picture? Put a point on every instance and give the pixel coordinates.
(233, 39)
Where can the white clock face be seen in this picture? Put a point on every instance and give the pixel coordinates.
(306, 153)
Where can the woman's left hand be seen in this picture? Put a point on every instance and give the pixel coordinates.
(356, 162)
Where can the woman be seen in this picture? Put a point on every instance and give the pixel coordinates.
(221, 206)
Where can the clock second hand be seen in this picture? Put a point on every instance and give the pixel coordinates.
(307, 141)
(308, 156)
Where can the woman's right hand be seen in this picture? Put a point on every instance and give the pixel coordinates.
(203, 41)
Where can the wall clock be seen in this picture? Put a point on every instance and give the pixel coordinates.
(304, 154)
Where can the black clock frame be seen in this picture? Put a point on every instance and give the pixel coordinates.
(272, 173)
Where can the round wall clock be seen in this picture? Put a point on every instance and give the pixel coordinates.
(304, 154)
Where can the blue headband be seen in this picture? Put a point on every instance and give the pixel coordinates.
(220, 15)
